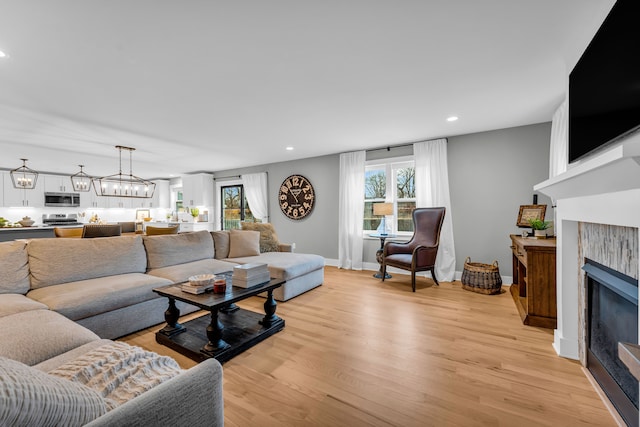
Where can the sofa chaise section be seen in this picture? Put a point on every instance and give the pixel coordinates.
(302, 272)
(257, 243)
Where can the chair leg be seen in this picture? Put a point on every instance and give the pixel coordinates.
(413, 280)
(384, 271)
(433, 274)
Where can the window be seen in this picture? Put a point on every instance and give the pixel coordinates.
(179, 205)
(235, 208)
(392, 182)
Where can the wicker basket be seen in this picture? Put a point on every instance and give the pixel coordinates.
(481, 278)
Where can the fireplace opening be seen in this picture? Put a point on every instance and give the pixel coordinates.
(612, 313)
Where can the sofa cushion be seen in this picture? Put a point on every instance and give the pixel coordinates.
(285, 265)
(14, 274)
(54, 261)
(38, 335)
(244, 243)
(86, 298)
(221, 243)
(17, 303)
(268, 237)
(181, 272)
(163, 251)
(29, 397)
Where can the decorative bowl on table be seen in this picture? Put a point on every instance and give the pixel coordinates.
(147, 219)
(26, 222)
(202, 280)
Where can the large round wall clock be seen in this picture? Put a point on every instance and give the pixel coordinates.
(296, 197)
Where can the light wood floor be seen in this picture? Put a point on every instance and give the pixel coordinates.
(359, 352)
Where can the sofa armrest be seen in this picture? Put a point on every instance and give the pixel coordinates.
(193, 398)
(286, 247)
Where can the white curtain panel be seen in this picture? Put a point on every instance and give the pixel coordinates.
(432, 190)
(351, 210)
(256, 192)
(559, 147)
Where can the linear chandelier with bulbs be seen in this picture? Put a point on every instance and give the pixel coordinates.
(124, 185)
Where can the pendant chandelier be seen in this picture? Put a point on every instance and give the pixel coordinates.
(81, 181)
(24, 177)
(123, 185)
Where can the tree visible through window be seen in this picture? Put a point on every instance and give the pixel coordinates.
(399, 177)
(235, 208)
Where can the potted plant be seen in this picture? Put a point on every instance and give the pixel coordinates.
(539, 227)
(194, 213)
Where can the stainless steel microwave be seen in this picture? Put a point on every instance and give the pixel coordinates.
(62, 199)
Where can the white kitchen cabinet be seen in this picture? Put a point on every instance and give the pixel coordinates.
(162, 196)
(57, 183)
(90, 200)
(14, 197)
(197, 190)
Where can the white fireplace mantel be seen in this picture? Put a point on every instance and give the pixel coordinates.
(605, 189)
(614, 169)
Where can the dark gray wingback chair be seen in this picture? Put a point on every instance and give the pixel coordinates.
(419, 253)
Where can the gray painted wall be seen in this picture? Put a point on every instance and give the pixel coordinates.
(490, 175)
(318, 232)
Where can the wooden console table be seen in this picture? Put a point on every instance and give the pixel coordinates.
(534, 280)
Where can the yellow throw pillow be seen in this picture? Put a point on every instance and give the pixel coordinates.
(243, 243)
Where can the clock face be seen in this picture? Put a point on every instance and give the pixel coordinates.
(296, 197)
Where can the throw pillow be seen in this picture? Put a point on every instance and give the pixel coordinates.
(268, 237)
(29, 397)
(243, 243)
(14, 274)
(221, 244)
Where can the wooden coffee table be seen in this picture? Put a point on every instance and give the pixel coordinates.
(229, 331)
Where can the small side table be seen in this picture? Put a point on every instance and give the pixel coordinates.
(380, 251)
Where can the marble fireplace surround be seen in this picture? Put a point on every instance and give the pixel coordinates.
(597, 215)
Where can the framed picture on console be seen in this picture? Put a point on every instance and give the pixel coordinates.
(528, 212)
(141, 214)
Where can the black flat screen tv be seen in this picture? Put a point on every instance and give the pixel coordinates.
(604, 86)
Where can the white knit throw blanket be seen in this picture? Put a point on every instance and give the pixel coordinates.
(119, 371)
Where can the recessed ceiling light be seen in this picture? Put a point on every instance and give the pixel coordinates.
(3, 55)
(452, 118)
(289, 148)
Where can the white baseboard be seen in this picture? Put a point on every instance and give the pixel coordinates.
(374, 266)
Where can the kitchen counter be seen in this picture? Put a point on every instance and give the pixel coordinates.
(13, 233)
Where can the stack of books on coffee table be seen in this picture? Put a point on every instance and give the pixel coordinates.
(199, 284)
(193, 289)
(247, 275)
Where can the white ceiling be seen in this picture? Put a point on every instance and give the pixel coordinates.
(204, 85)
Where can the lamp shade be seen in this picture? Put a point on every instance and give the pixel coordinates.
(383, 208)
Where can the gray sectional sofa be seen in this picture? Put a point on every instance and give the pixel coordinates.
(63, 300)
(51, 367)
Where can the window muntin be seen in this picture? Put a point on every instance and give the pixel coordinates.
(392, 182)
